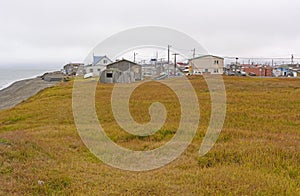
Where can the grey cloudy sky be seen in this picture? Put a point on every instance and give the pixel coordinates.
(60, 31)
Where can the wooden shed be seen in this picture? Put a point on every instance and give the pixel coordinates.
(122, 71)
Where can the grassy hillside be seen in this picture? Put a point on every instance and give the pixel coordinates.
(258, 151)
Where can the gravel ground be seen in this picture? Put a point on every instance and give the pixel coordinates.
(22, 90)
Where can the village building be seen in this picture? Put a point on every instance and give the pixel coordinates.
(73, 69)
(185, 68)
(258, 70)
(149, 70)
(295, 72)
(207, 64)
(122, 71)
(99, 64)
(287, 70)
(281, 71)
(234, 69)
(53, 77)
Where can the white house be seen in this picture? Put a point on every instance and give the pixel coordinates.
(207, 64)
(99, 64)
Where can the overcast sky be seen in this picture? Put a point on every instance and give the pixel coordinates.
(60, 31)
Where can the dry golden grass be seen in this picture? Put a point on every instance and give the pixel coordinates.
(258, 151)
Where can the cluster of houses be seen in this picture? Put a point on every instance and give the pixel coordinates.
(125, 71)
(284, 70)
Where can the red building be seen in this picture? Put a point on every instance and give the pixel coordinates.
(258, 70)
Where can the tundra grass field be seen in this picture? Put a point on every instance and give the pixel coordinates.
(257, 153)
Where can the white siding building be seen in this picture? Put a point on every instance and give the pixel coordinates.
(207, 64)
(99, 65)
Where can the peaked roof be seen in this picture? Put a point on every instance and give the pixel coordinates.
(208, 55)
(116, 62)
(96, 59)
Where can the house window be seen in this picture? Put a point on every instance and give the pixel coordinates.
(216, 62)
(91, 70)
(206, 70)
(104, 61)
(216, 71)
(98, 69)
(109, 75)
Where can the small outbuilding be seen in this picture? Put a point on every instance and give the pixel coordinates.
(122, 71)
(116, 76)
(53, 77)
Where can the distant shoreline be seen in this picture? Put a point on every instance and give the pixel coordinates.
(25, 73)
(21, 90)
(3, 87)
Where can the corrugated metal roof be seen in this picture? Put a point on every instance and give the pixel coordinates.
(122, 61)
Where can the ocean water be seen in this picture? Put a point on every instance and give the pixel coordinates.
(11, 74)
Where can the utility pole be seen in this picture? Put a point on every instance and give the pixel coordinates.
(93, 58)
(169, 54)
(134, 54)
(129, 72)
(156, 59)
(236, 65)
(175, 63)
(169, 61)
(194, 52)
(161, 64)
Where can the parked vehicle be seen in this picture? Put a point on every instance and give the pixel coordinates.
(252, 74)
(88, 75)
(230, 74)
(243, 73)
